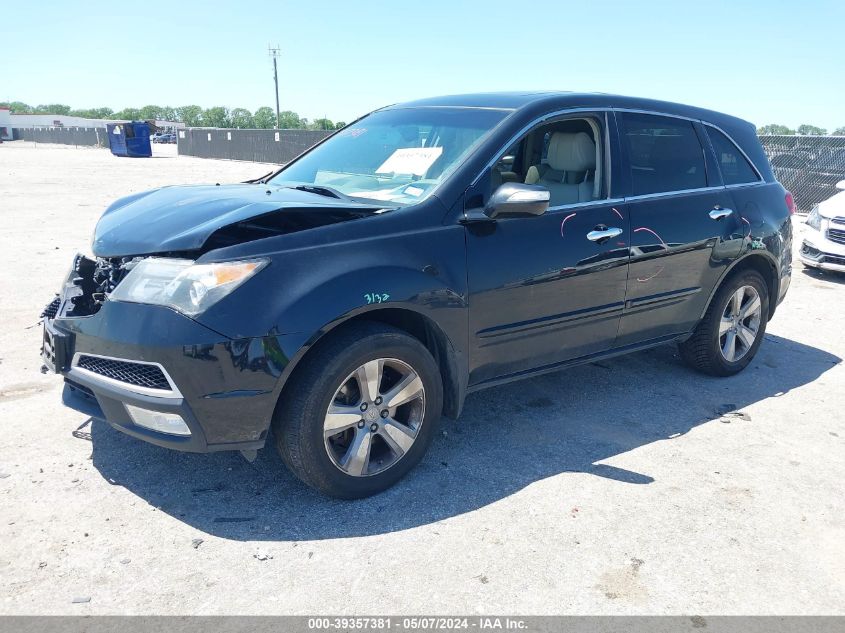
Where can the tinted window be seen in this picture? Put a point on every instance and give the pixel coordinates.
(664, 154)
(734, 166)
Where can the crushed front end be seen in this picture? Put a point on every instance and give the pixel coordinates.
(154, 372)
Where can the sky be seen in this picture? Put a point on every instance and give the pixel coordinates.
(768, 61)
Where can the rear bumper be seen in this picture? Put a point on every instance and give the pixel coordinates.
(224, 390)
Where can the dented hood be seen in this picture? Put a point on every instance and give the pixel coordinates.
(183, 218)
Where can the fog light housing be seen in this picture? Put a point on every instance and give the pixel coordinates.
(170, 423)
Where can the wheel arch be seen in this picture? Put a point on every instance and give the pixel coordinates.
(417, 325)
(765, 264)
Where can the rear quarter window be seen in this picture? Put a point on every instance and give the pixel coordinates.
(664, 154)
(735, 168)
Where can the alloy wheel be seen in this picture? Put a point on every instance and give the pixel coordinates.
(740, 323)
(374, 417)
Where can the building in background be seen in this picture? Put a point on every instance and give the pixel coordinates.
(5, 124)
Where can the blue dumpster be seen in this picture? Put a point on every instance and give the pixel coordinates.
(130, 139)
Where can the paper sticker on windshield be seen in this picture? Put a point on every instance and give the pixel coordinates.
(410, 160)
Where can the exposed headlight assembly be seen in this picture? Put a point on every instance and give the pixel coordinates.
(814, 218)
(183, 284)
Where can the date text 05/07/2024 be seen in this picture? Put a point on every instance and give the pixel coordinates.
(423, 623)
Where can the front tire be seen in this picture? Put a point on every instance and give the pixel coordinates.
(729, 335)
(360, 411)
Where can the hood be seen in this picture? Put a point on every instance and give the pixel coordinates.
(176, 219)
(833, 207)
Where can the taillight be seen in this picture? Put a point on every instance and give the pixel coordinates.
(790, 203)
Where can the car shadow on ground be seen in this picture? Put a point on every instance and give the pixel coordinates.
(825, 275)
(506, 439)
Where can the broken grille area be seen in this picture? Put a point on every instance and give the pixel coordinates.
(137, 374)
(52, 309)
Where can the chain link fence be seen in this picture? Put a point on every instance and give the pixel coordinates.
(808, 166)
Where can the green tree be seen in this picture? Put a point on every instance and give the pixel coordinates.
(53, 108)
(93, 113)
(217, 116)
(840, 131)
(18, 107)
(290, 120)
(264, 118)
(322, 124)
(128, 114)
(339, 124)
(242, 118)
(167, 113)
(775, 128)
(811, 130)
(190, 115)
(150, 112)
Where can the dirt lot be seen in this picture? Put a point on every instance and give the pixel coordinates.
(616, 487)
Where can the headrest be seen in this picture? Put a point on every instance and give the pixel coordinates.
(571, 152)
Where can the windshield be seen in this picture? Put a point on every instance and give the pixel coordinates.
(393, 156)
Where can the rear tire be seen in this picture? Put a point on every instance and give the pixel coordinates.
(729, 335)
(335, 427)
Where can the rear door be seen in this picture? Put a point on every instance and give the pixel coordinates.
(684, 230)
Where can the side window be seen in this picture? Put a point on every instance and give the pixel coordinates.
(561, 156)
(734, 166)
(664, 154)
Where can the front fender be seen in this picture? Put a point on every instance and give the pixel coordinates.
(303, 289)
(307, 291)
(355, 292)
(416, 292)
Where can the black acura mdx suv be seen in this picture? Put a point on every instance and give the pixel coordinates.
(428, 250)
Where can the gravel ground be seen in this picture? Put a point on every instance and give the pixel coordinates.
(616, 487)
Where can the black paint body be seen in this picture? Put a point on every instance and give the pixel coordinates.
(496, 302)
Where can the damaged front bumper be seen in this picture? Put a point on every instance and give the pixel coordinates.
(159, 376)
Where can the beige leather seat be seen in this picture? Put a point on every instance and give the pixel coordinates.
(569, 170)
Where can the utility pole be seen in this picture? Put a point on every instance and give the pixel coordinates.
(274, 53)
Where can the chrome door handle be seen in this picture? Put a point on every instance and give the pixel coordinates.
(718, 214)
(602, 235)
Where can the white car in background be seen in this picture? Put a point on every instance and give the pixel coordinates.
(824, 241)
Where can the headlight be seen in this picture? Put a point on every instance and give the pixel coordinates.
(183, 284)
(814, 218)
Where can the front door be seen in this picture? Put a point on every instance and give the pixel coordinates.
(546, 289)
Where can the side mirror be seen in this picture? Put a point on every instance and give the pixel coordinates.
(511, 200)
(514, 199)
(841, 185)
